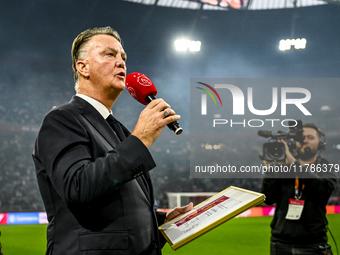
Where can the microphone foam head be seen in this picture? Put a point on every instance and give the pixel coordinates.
(139, 87)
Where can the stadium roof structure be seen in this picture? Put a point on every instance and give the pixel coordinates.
(225, 5)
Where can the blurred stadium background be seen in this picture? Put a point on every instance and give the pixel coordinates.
(36, 74)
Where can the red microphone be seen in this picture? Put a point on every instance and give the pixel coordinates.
(142, 89)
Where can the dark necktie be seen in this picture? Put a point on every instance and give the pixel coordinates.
(113, 122)
(116, 127)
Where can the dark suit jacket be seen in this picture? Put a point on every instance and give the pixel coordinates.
(96, 190)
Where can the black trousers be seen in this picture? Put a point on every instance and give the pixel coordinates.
(277, 248)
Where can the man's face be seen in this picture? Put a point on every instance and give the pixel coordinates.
(311, 141)
(106, 61)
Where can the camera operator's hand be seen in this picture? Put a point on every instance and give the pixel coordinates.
(266, 163)
(289, 157)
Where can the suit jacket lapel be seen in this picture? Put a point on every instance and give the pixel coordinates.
(149, 182)
(144, 188)
(101, 125)
(96, 120)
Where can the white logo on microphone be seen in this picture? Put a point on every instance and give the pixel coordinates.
(132, 93)
(144, 81)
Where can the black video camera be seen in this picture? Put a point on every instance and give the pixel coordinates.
(274, 150)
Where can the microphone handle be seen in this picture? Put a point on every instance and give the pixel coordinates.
(174, 126)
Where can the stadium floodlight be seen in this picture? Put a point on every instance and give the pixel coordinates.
(325, 108)
(208, 146)
(288, 43)
(184, 45)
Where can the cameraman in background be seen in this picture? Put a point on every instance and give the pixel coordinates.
(299, 225)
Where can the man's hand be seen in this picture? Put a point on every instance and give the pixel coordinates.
(152, 120)
(177, 211)
(289, 157)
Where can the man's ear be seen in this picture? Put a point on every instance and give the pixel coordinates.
(83, 68)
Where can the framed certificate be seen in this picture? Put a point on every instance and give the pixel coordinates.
(209, 214)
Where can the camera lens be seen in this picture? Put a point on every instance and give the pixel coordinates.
(274, 151)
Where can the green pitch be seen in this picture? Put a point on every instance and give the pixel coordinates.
(23, 239)
(237, 236)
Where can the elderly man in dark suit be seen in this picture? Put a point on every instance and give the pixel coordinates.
(93, 176)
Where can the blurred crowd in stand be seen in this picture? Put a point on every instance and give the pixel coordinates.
(22, 108)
